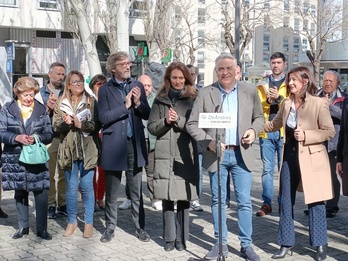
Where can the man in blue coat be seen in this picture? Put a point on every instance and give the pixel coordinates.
(122, 106)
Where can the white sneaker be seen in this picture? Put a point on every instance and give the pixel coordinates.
(126, 204)
(196, 206)
(157, 205)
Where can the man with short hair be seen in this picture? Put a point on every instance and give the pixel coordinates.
(239, 99)
(272, 91)
(122, 106)
(48, 95)
(150, 144)
(194, 74)
(335, 98)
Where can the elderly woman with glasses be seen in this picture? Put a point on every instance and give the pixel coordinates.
(76, 119)
(20, 119)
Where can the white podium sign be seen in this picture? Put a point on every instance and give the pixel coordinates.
(216, 120)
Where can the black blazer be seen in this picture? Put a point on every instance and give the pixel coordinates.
(113, 114)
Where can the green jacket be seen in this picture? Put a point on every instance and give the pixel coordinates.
(77, 144)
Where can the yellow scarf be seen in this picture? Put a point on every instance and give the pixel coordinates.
(25, 111)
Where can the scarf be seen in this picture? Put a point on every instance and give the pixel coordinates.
(25, 111)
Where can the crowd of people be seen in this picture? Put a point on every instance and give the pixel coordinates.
(158, 132)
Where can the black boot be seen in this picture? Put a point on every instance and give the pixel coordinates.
(321, 253)
(20, 232)
(282, 252)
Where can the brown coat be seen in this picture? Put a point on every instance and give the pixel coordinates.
(314, 118)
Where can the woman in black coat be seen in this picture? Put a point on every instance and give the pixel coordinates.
(19, 120)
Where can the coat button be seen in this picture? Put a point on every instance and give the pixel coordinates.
(123, 121)
(123, 133)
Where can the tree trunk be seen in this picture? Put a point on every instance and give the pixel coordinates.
(88, 40)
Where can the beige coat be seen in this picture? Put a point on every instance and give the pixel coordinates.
(314, 118)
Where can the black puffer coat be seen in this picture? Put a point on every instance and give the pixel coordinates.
(15, 174)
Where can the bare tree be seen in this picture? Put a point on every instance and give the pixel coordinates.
(159, 27)
(324, 22)
(77, 14)
(252, 15)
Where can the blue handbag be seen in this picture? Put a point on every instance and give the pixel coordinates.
(35, 153)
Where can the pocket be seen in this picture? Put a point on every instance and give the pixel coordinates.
(319, 157)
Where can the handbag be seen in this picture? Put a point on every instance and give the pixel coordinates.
(35, 153)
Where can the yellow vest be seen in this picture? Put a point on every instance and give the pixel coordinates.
(262, 91)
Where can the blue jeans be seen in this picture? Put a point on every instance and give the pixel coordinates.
(268, 148)
(86, 185)
(242, 180)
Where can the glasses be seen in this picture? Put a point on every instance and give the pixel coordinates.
(77, 82)
(124, 65)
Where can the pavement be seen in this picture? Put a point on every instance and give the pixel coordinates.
(125, 246)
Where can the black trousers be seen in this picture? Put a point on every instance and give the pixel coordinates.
(289, 179)
(134, 181)
(333, 203)
(22, 205)
(176, 227)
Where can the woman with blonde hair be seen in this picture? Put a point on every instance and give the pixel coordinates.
(20, 119)
(76, 119)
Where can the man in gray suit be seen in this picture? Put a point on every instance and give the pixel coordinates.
(239, 98)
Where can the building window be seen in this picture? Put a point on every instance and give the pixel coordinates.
(313, 10)
(8, 2)
(177, 12)
(200, 38)
(296, 45)
(265, 57)
(297, 24)
(201, 15)
(266, 40)
(305, 25)
(304, 44)
(305, 7)
(266, 4)
(138, 9)
(312, 29)
(178, 36)
(286, 21)
(201, 2)
(286, 5)
(48, 4)
(200, 59)
(285, 44)
(297, 7)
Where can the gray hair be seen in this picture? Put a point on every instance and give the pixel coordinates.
(56, 64)
(334, 73)
(113, 58)
(226, 56)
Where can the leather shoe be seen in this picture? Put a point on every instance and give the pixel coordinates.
(169, 246)
(142, 235)
(20, 232)
(107, 235)
(281, 253)
(3, 214)
(44, 235)
(321, 253)
(180, 246)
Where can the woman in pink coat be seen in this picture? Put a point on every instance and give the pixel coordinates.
(305, 166)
